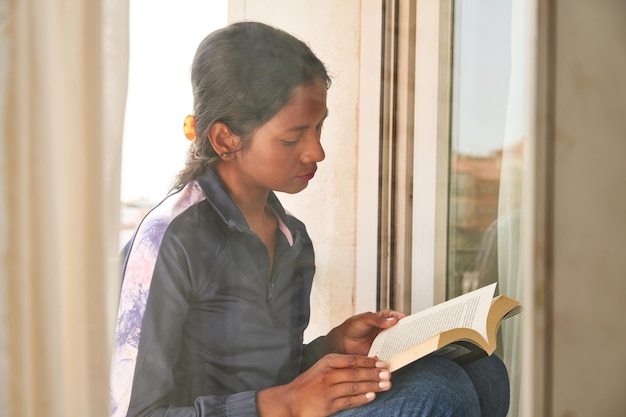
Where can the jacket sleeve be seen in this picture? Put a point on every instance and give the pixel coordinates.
(153, 307)
(312, 353)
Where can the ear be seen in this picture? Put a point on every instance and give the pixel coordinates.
(224, 142)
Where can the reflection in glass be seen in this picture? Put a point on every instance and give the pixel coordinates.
(489, 127)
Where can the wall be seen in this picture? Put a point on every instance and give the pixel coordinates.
(577, 349)
(328, 205)
(589, 207)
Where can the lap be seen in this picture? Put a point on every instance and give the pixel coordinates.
(438, 387)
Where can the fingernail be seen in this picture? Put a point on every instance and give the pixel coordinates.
(381, 364)
(384, 384)
(370, 395)
(384, 375)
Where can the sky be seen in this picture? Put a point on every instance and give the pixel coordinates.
(491, 70)
(164, 35)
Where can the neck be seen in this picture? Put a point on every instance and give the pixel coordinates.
(251, 201)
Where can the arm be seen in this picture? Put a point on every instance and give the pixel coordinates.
(153, 308)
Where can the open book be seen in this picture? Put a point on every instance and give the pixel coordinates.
(464, 328)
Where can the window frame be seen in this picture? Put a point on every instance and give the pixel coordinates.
(402, 232)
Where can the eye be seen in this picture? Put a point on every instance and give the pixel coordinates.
(290, 143)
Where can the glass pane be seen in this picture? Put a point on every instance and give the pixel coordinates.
(490, 121)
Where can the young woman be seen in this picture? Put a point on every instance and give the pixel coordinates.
(215, 295)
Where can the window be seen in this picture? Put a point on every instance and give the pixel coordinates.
(472, 68)
(489, 126)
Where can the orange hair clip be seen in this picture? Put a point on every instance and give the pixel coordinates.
(189, 128)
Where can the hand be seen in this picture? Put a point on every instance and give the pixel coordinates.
(336, 382)
(355, 335)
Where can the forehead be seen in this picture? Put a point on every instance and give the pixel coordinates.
(313, 91)
(305, 109)
(306, 100)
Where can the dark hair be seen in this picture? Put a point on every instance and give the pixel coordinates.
(242, 75)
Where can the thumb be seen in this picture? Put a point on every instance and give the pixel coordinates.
(388, 318)
(387, 322)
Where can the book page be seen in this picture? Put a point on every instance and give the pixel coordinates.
(469, 310)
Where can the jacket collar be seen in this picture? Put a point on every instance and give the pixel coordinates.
(217, 196)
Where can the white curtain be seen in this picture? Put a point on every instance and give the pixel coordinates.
(62, 92)
(510, 238)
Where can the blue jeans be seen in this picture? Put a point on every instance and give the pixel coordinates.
(439, 387)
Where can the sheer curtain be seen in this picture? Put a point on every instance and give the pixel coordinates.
(510, 239)
(62, 94)
(491, 119)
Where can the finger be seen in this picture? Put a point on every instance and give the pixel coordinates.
(382, 319)
(338, 361)
(354, 395)
(344, 403)
(349, 389)
(388, 313)
(379, 320)
(360, 375)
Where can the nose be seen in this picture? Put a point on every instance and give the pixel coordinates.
(314, 151)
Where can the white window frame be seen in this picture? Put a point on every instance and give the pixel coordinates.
(432, 149)
(431, 155)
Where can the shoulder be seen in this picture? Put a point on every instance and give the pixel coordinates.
(196, 227)
(181, 219)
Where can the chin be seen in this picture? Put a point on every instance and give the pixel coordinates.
(292, 190)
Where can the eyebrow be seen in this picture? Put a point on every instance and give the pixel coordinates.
(304, 127)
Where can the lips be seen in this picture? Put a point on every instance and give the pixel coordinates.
(307, 177)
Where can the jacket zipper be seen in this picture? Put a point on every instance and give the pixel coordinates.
(270, 296)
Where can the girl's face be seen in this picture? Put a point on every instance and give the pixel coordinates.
(284, 152)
